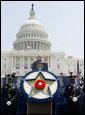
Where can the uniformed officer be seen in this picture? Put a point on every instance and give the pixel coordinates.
(10, 95)
(81, 82)
(73, 95)
(39, 64)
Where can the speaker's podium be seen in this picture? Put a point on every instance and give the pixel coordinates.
(40, 87)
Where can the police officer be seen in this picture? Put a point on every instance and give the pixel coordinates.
(81, 83)
(73, 95)
(39, 64)
(10, 95)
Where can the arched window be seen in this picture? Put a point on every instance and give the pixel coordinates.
(25, 63)
(58, 66)
(31, 34)
(37, 35)
(17, 62)
(26, 34)
(40, 35)
(34, 45)
(38, 44)
(4, 59)
(23, 35)
(34, 34)
(25, 46)
(4, 65)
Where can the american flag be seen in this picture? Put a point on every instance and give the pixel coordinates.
(78, 73)
(29, 47)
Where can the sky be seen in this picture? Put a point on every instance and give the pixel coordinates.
(62, 20)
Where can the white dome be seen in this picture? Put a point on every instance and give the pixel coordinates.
(32, 23)
(32, 34)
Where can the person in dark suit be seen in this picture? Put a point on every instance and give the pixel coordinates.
(73, 95)
(10, 95)
(39, 64)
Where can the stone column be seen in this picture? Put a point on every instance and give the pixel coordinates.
(30, 43)
(51, 62)
(48, 61)
(23, 62)
(20, 62)
(37, 45)
(26, 45)
(12, 61)
(33, 45)
(15, 61)
(40, 45)
(20, 46)
(23, 45)
(42, 58)
(28, 63)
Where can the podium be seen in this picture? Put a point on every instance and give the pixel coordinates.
(39, 108)
(39, 87)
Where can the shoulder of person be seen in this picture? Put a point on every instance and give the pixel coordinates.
(68, 86)
(43, 62)
(6, 86)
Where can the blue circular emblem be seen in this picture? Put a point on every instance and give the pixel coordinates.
(40, 86)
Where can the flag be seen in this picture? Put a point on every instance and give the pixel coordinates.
(78, 66)
(78, 73)
(29, 47)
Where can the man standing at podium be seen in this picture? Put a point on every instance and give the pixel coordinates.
(10, 94)
(39, 64)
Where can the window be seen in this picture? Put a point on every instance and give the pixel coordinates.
(31, 59)
(4, 59)
(31, 34)
(21, 46)
(37, 35)
(26, 34)
(4, 66)
(17, 62)
(34, 35)
(40, 35)
(57, 59)
(58, 66)
(26, 66)
(38, 45)
(34, 45)
(23, 35)
(25, 63)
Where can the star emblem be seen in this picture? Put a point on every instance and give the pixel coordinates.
(40, 85)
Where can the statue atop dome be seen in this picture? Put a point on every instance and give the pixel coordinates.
(32, 12)
(32, 7)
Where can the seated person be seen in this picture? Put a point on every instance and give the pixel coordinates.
(39, 64)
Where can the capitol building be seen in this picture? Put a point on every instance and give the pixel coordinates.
(32, 40)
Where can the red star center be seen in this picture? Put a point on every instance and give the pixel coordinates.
(40, 84)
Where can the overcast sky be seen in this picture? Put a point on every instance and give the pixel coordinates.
(62, 20)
